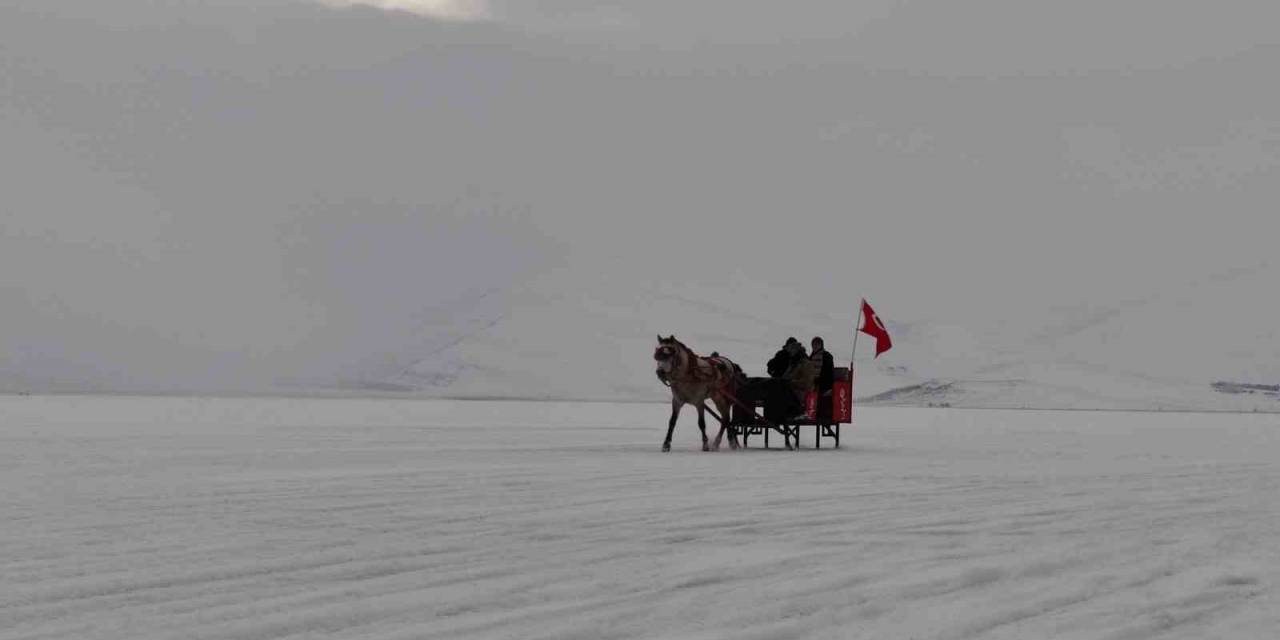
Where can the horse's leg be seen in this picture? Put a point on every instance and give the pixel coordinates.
(723, 406)
(671, 425)
(702, 425)
(724, 424)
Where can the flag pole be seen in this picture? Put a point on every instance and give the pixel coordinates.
(856, 330)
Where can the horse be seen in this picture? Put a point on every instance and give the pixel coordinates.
(694, 379)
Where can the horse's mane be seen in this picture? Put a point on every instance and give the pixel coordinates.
(685, 347)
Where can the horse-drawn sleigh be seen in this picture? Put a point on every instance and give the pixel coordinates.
(695, 379)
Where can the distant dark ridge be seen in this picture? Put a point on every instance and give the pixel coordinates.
(1272, 390)
(917, 392)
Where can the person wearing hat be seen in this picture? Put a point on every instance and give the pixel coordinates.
(824, 366)
(782, 398)
(781, 361)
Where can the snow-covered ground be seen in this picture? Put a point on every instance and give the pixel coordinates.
(379, 519)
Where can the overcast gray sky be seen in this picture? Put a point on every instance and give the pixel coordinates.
(235, 194)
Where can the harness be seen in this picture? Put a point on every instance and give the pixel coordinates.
(697, 368)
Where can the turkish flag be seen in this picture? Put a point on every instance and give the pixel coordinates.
(874, 327)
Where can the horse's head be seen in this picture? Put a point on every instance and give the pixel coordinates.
(668, 354)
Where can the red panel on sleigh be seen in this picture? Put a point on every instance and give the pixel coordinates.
(841, 402)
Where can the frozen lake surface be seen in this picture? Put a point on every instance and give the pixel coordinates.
(137, 518)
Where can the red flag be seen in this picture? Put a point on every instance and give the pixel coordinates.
(873, 327)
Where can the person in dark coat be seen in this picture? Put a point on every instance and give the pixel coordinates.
(779, 402)
(781, 361)
(824, 364)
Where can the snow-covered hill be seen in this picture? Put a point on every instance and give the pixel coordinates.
(569, 335)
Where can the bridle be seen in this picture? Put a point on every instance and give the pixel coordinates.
(666, 353)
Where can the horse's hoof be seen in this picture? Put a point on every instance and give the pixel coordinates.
(666, 448)
(706, 447)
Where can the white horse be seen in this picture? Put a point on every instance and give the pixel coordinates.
(694, 380)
